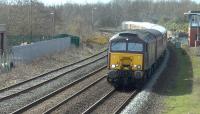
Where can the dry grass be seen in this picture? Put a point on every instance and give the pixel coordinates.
(98, 38)
(194, 51)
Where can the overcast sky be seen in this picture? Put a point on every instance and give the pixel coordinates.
(58, 2)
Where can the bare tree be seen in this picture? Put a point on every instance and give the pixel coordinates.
(23, 16)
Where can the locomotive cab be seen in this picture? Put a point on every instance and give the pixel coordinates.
(126, 58)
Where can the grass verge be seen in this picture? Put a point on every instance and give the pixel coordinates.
(184, 95)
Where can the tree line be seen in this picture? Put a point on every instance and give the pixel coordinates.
(31, 17)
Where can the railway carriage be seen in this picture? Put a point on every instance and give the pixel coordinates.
(134, 55)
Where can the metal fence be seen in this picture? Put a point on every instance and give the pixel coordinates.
(18, 40)
(29, 52)
(24, 49)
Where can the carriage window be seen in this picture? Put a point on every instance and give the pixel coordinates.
(118, 46)
(135, 47)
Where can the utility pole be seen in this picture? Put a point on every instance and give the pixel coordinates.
(198, 27)
(93, 17)
(30, 21)
(53, 13)
(53, 21)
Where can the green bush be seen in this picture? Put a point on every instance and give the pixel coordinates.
(174, 25)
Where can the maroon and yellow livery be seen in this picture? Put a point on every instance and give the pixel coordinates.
(134, 55)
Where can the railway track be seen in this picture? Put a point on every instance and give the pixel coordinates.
(37, 81)
(112, 103)
(89, 94)
(83, 98)
(105, 99)
(63, 94)
(12, 98)
(110, 99)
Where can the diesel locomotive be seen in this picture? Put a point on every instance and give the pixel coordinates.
(134, 55)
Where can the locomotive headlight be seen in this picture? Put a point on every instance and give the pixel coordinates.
(113, 66)
(139, 66)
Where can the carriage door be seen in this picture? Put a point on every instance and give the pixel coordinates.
(1, 43)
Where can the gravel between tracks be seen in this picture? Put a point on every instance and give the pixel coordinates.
(112, 103)
(83, 101)
(12, 104)
(65, 94)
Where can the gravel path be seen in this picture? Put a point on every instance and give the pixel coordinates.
(83, 101)
(12, 104)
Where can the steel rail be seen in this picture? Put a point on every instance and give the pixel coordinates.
(38, 101)
(125, 103)
(74, 95)
(87, 111)
(41, 75)
(117, 110)
(49, 80)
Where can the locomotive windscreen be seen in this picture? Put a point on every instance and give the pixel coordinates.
(126, 46)
(118, 46)
(135, 46)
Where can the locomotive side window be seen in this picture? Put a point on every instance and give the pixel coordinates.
(118, 46)
(135, 47)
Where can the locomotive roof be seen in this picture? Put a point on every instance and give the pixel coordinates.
(145, 35)
(154, 32)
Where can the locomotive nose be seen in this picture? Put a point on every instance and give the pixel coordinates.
(126, 63)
